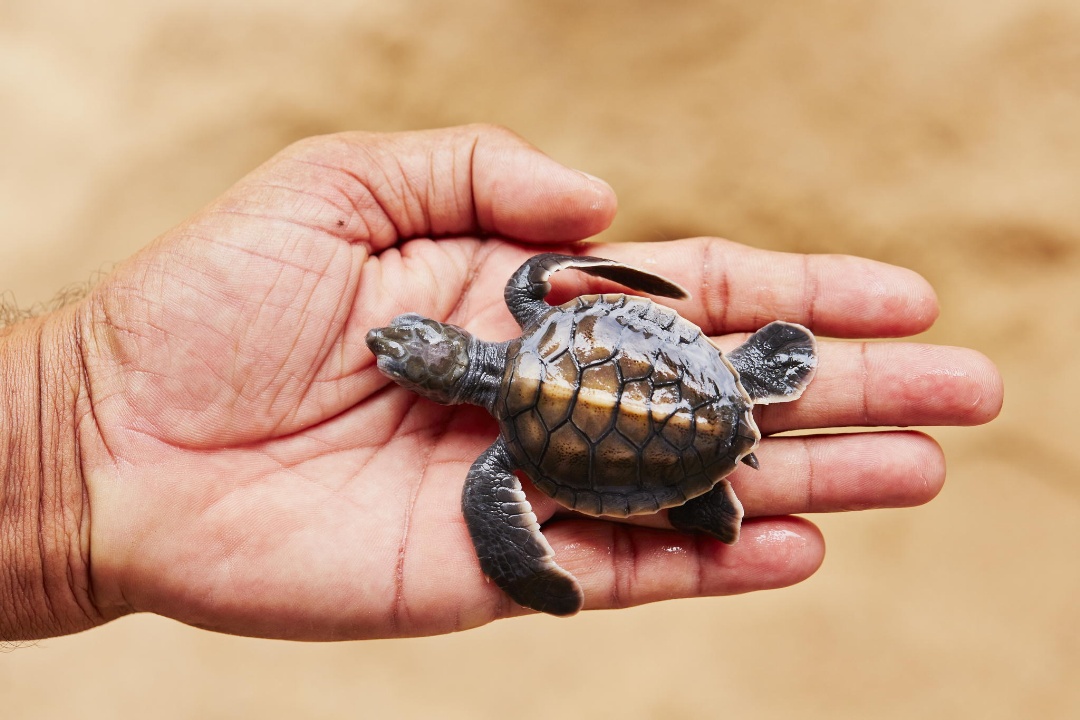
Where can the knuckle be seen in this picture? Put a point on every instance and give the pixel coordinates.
(329, 147)
(484, 128)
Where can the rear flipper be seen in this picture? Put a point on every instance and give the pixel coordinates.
(776, 363)
(717, 513)
(508, 542)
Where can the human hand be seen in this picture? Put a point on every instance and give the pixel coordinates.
(248, 469)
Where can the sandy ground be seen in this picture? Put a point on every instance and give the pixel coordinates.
(944, 136)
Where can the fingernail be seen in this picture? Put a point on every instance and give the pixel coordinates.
(595, 180)
(604, 192)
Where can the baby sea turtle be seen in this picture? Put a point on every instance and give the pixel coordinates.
(611, 404)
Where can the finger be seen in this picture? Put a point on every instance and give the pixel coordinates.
(831, 473)
(821, 473)
(620, 565)
(738, 288)
(476, 179)
(891, 384)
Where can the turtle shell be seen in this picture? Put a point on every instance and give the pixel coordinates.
(614, 405)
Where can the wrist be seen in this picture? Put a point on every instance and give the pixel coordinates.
(45, 585)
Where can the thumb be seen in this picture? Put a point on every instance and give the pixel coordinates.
(475, 179)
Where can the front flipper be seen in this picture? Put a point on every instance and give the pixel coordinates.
(717, 513)
(508, 542)
(776, 363)
(529, 285)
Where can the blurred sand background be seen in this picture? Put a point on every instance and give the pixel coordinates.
(943, 136)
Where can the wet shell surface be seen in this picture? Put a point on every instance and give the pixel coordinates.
(619, 406)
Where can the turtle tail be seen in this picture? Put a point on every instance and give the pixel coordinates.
(776, 363)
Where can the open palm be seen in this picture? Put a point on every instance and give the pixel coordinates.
(249, 470)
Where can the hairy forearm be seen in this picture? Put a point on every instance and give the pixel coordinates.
(44, 516)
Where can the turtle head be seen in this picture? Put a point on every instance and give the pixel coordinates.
(428, 357)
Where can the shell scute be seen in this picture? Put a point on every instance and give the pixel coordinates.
(663, 317)
(588, 502)
(530, 432)
(560, 391)
(595, 412)
(633, 364)
(679, 432)
(666, 369)
(634, 426)
(663, 463)
(555, 338)
(617, 461)
(615, 503)
(687, 332)
(524, 389)
(594, 341)
(567, 455)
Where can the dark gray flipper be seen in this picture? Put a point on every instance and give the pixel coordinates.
(508, 542)
(529, 285)
(717, 513)
(751, 460)
(776, 363)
